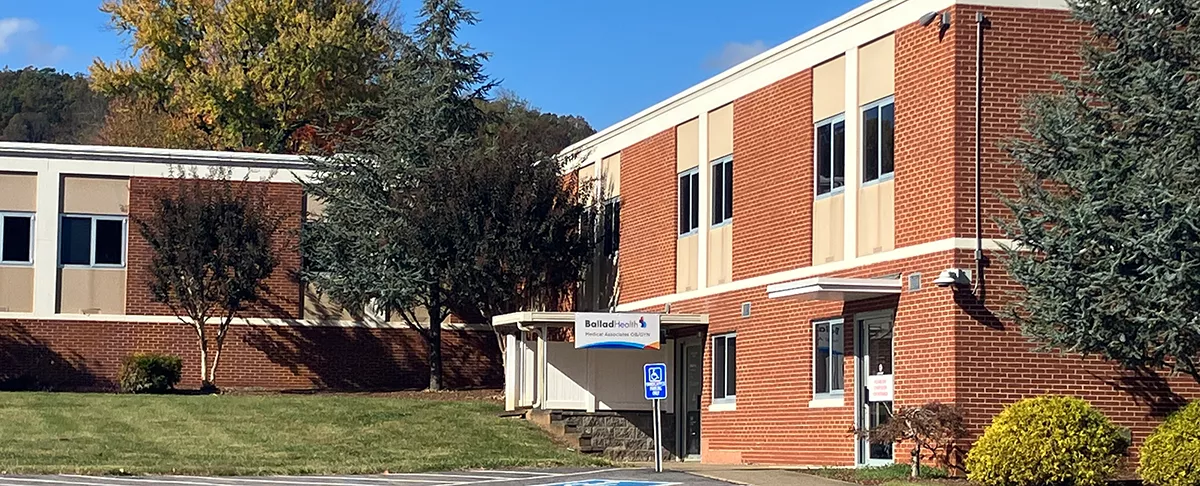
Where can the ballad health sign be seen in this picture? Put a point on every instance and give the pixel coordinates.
(616, 331)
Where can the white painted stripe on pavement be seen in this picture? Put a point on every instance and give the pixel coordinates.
(293, 481)
(371, 478)
(551, 476)
(440, 475)
(492, 471)
(55, 481)
(154, 480)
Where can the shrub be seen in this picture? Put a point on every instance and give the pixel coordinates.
(934, 430)
(1047, 441)
(150, 373)
(1171, 455)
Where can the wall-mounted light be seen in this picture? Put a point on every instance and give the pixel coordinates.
(943, 26)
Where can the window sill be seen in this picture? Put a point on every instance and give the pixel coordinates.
(722, 406)
(827, 402)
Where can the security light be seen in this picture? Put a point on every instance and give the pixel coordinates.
(927, 19)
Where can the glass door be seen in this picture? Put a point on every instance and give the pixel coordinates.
(690, 387)
(874, 385)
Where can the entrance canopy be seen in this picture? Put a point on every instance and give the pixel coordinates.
(543, 369)
(835, 289)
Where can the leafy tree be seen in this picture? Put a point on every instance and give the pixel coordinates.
(42, 105)
(443, 202)
(249, 72)
(139, 122)
(212, 251)
(934, 430)
(1106, 242)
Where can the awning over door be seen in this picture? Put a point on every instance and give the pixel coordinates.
(835, 289)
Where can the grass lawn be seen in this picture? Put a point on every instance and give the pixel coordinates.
(893, 475)
(267, 434)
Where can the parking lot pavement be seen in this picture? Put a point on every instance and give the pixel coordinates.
(550, 477)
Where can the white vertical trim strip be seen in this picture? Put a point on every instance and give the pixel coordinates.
(45, 268)
(853, 158)
(705, 198)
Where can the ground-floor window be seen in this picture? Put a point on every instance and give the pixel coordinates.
(724, 368)
(828, 354)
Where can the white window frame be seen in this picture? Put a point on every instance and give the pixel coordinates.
(32, 230)
(862, 173)
(92, 255)
(831, 394)
(694, 171)
(727, 399)
(728, 219)
(831, 121)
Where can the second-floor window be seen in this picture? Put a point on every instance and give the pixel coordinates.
(689, 201)
(879, 140)
(722, 190)
(97, 241)
(16, 238)
(831, 155)
(611, 227)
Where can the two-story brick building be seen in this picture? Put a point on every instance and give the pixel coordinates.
(74, 298)
(794, 213)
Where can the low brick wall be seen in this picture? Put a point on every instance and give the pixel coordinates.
(624, 436)
(85, 355)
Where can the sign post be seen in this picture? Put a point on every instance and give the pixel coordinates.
(655, 375)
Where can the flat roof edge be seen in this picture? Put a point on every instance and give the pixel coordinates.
(152, 155)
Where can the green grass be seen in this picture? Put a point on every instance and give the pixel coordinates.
(275, 434)
(892, 475)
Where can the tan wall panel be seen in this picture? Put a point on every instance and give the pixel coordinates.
(877, 70)
(610, 172)
(876, 218)
(18, 192)
(687, 254)
(687, 145)
(828, 229)
(89, 290)
(720, 132)
(318, 306)
(829, 89)
(720, 255)
(313, 206)
(95, 195)
(16, 289)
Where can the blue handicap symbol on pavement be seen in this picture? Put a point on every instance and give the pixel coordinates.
(610, 482)
(656, 381)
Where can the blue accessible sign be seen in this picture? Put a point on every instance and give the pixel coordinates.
(656, 381)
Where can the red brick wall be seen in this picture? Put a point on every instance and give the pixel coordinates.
(773, 163)
(648, 218)
(1022, 50)
(283, 296)
(86, 355)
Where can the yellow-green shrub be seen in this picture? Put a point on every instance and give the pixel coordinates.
(1171, 455)
(1047, 441)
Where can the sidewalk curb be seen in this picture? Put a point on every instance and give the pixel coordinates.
(715, 478)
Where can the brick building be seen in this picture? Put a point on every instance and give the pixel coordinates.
(74, 298)
(794, 212)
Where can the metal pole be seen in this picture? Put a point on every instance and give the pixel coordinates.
(979, 23)
(657, 436)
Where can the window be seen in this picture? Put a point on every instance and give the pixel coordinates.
(828, 344)
(879, 140)
(724, 367)
(92, 241)
(16, 238)
(831, 155)
(722, 190)
(689, 201)
(611, 227)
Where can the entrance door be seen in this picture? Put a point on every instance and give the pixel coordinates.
(691, 361)
(873, 372)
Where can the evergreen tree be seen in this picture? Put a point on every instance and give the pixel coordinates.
(1107, 224)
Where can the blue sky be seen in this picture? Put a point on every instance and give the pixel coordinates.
(604, 60)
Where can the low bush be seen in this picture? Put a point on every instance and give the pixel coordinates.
(1047, 441)
(150, 373)
(1171, 455)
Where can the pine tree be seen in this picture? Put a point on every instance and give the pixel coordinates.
(1107, 242)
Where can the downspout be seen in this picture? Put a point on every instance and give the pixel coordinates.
(980, 20)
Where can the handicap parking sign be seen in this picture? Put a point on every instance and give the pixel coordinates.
(656, 381)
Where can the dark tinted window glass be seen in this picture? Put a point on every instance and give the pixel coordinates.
(17, 230)
(887, 142)
(731, 366)
(110, 239)
(718, 194)
(75, 242)
(685, 198)
(729, 189)
(839, 154)
(719, 367)
(870, 145)
(823, 157)
(695, 200)
(821, 358)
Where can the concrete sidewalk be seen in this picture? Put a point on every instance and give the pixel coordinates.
(752, 475)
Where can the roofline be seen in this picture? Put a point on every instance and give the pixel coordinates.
(152, 155)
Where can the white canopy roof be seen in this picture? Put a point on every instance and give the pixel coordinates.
(835, 289)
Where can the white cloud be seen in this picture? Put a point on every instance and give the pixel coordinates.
(24, 38)
(734, 53)
(12, 27)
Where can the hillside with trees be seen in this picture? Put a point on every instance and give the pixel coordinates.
(44, 105)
